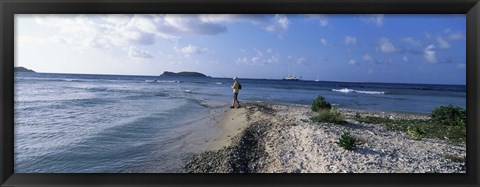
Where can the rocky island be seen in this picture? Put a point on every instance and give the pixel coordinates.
(182, 74)
(22, 69)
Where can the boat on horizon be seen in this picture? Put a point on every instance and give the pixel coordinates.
(291, 78)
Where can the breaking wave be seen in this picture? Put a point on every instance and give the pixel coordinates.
(347, 90)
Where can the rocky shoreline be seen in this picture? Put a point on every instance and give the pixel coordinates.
(281, 138)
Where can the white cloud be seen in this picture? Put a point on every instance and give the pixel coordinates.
(350, 40)
(135, 53)
(126, 30)
(429, 54)
(368, 58)
(454, 35)
(461, 66)
(279, 25)
(259, 58)
(272, 59)
(220, 18)
(33, 40)
(259, 53)
(282, 21)
(352, 62)
(324, 41)
(322, 19)
(123, 31)
(376, 19)
(405, 58)
(302, 60)
(256, 60)
(191, 49)
(117, 19)
(412, 41)
(386, 46)
(443, 44)
(78, 30)
(192, 24)
(243, 60)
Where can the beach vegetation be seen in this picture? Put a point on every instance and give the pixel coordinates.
(329, 116)
(457, 133)
(374, 120)
(449, 115)
(320, 103)
(415, 132)
(347, 141)
(419, 128)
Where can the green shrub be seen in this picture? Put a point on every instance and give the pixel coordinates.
(457, 133)
(420, 128)
(347, 141)
(329, 117)
(415, 132)
(394, 124)
(449, 115)
(320, 104)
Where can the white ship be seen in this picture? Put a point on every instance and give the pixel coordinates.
(291, 78)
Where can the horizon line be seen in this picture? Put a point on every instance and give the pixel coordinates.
(247, 78)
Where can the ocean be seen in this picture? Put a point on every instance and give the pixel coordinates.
(74, 123)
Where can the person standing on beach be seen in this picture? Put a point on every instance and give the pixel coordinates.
(236, 88)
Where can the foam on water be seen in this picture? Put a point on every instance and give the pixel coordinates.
(168, 81)
(347, 90)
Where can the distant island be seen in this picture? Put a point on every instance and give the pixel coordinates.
(182, 74)
(22, 69)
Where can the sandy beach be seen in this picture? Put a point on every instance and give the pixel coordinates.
(280, 138)
(232, 123)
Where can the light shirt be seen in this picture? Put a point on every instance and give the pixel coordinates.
(235, 87)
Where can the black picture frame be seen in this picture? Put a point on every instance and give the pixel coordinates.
(8, 8)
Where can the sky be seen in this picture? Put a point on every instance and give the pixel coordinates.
(354, 48)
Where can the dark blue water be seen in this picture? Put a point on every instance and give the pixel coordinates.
(108, 123)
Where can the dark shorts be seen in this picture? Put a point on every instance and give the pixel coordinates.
(235, 95)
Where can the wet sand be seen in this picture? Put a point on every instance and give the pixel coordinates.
(232, 123)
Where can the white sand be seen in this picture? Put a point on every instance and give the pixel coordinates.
(233, 122)
(292, 143)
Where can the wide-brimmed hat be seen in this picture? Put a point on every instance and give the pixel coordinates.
(235, 78)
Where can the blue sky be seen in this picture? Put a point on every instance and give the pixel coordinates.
(359, 48)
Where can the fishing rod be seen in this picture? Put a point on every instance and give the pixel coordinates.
(219, 72)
